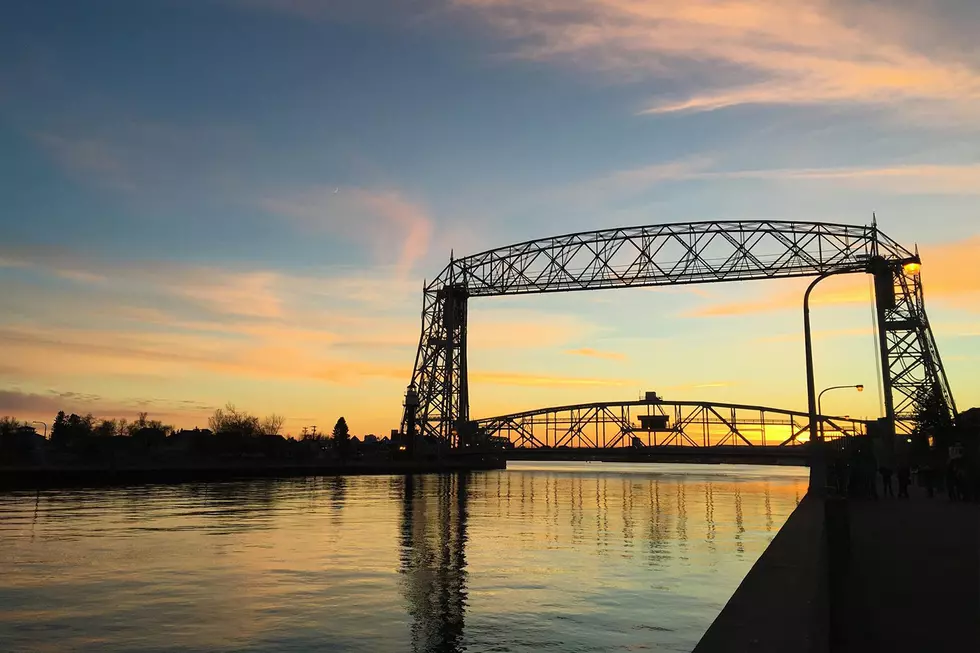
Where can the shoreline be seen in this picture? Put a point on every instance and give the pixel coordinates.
(30, 478)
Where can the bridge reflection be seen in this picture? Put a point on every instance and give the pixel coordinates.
(433, 559)
(670, 524)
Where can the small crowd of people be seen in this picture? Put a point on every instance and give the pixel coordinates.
(855, 473)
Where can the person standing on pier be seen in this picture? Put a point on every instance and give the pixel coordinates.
(886, 481)
(904, 478)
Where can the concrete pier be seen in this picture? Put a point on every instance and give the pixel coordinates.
(849, 576)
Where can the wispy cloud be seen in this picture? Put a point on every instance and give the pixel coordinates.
(43, 405)
(817, 335)
(253, 294)
(72, 353)
(89, 158)
(949, 275)
(525, 328)
(779, 300)
(384, 220)
(708, 385)
(914, 178)
(536, 380)
(595, 353)
(721, 54)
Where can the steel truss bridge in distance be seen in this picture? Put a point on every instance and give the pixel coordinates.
(437, 402)
(653, 422)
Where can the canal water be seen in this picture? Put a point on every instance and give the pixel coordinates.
(540, 557)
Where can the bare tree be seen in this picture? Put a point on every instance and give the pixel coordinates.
(9, 425)
(231, 420)
(217, 421)
(272, 424)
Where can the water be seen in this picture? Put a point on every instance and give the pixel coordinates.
(559, 557)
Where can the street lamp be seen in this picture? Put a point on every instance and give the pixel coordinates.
(811, 394)
(859, 387)
(45, 427)
(818, 474)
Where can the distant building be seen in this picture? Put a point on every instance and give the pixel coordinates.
(24, 444)
(968, 428)
(150, 436)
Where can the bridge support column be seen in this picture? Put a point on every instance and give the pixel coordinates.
(455, 393)
(884, 302)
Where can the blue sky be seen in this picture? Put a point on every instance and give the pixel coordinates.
(238, 200)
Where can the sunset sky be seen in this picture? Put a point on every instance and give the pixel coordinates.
(211, 201)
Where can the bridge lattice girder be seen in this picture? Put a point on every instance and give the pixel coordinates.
(674, 254)
(608, 425)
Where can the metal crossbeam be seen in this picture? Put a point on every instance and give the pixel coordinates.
(673, 254)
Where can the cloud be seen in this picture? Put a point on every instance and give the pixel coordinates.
(523, 329)
(392, 226)
(593, 353)
(145, 286)
(44, 406)
(537, 380)
(950, 273)
(16, 403)
(150, 163)
(245, 293)
(778, 301)
(907, 179)
(817, 335)
(918, 178)
(77, 353)
(89, 158)
(709, 55)
(950, 277)
(709, 385)
(144, 319)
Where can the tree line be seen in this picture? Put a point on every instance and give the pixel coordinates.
(227, 421)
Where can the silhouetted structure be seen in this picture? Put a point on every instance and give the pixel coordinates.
(655, 422)
(671, 254)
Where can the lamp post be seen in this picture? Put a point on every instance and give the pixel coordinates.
(45, 427)
(818, 476)
(859, 387)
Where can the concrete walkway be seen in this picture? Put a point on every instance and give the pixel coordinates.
(913, 582)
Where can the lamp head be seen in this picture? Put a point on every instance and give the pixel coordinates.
(913, 267)
(860, 387)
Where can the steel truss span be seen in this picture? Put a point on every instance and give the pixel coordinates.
(642, 424)
(437, 403)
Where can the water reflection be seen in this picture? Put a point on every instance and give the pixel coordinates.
(593, 558)
(677, 516)
(433, 559)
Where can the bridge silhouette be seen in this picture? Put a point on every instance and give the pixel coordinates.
(437, 399)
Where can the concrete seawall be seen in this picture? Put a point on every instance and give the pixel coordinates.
(783, 604)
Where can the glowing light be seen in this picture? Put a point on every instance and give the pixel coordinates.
(909, 440)
(860, 387)
(912, 268)
(401, 448)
